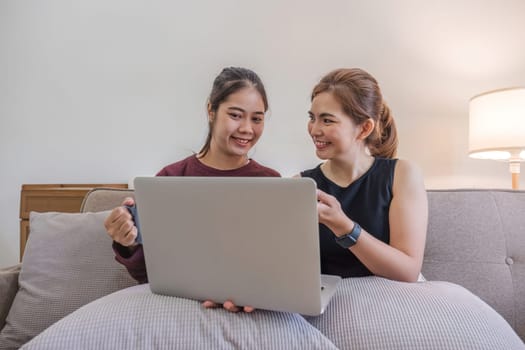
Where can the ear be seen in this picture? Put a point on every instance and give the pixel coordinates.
(366, 129)
(211, 114)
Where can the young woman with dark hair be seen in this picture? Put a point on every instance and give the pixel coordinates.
(236, 113)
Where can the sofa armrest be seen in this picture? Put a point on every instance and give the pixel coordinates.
(8, 289)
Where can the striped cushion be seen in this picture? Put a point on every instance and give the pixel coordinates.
(376, 313)
(134, 318)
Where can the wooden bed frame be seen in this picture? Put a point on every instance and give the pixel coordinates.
(51, 197)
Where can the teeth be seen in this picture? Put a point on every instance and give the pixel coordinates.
(243, 141)
(321, 143)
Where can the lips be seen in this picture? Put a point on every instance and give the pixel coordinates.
(321, 144)
(241, 141)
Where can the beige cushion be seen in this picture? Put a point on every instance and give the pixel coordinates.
(99, 199)
(68, 262)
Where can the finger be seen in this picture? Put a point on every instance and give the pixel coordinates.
(123, 231)
(324, 197)
(129, 240)
(128, 201)
(230, 306)
(249, 309)
(114, 215)
(208, 304)
(126, 227)
(323, 209)
(116, 218)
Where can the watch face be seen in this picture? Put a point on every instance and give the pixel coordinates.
(346, 242)
(350, 239)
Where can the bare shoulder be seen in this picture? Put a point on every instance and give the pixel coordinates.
(408, 174)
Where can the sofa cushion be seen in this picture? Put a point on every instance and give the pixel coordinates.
(68, 262)
(377, 313)
(135, 318)
(8, 289)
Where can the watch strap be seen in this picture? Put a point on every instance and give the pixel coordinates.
(349, 239)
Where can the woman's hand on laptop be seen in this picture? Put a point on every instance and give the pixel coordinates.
(120, 226)
(228, 305)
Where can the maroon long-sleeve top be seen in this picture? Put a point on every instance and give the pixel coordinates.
(190, 166)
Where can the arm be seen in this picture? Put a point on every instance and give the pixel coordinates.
(120, 225)
(408, 216)
(133, 262)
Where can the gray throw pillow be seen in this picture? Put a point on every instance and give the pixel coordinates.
(68, 262)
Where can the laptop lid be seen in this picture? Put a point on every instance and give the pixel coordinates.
(252, 240)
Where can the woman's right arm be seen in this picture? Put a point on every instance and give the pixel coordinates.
(120, 226)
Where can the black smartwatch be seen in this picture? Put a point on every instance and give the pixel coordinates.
(349, 239)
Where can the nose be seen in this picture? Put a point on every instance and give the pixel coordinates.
(314, 128)
(245, 126)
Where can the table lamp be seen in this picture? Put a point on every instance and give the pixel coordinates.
(497, 128)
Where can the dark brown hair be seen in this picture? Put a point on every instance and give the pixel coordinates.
(361, 99)
(229, 81)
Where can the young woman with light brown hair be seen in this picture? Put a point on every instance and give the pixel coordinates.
(372, 207)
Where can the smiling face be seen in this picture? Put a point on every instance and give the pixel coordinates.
(333, 132)
(237, 124)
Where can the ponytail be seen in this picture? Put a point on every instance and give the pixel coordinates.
(383, 140)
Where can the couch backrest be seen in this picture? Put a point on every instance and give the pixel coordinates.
(100, 199)
(476, 238)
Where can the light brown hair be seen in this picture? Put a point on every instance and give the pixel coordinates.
(359, 94)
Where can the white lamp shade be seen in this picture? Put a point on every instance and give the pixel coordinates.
(497, 125)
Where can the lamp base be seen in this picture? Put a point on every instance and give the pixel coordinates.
(514, 168)
(515, 181)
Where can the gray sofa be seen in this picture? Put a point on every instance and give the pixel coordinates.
(474, 296)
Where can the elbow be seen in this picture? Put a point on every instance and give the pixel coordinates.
(412, 278)
(409, 274)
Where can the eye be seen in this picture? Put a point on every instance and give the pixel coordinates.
(235, 115)
(327, 121)
(311, 118)
(257, 120)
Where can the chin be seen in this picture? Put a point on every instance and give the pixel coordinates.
(322, 157)
(239, 153)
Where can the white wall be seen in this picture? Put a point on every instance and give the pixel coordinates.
(103, 90)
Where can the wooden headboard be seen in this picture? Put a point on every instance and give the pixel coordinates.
(52, 197)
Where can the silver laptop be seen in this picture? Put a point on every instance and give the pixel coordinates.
(251, 240)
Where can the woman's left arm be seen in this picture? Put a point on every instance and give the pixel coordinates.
(408, 217)
(402, 259)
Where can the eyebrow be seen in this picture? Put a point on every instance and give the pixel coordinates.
(243, 111)
(322, 115)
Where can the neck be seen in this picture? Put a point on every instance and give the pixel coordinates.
(344, 172)
(222, 161)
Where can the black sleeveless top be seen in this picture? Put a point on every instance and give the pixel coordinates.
(367, 202)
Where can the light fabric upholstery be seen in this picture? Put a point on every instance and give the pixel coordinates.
(376, 313)
(366, 313)
(472, 234)
(135, 318)
(8, 289)
(68, 263)
(99, 199)
(476, 238)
